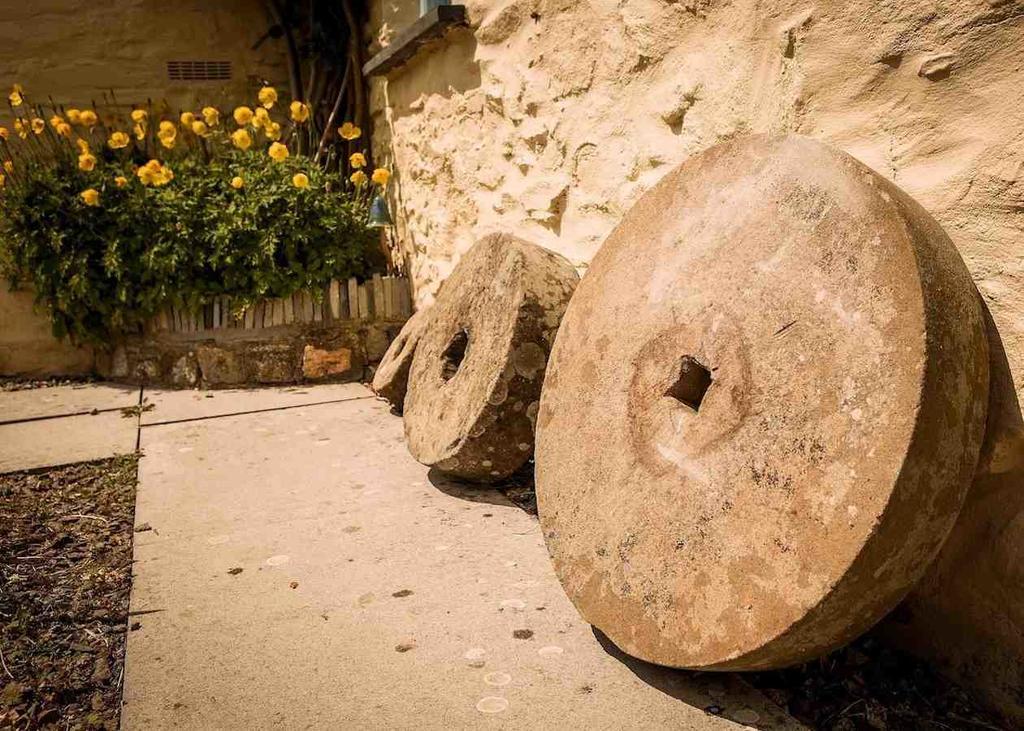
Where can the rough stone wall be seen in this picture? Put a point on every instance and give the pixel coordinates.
(296, 353)
(549, 118)
(75, 50)
(27, 345)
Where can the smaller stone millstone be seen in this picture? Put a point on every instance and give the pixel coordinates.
(474, 386)
(392, 376)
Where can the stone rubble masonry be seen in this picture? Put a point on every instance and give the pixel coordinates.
(328, 351)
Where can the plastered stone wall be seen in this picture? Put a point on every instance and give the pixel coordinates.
(75, 50)
(549, 118)
(27, 345)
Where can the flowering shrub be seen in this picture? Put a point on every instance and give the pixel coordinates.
(113, 216)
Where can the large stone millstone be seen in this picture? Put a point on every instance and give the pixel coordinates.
(762, 410)
(391, 378)
(475, 381)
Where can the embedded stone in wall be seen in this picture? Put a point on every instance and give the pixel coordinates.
(762, 411)
(185, 372)
(392, 375)
(219, 366)
(477, 371)
(319, 363)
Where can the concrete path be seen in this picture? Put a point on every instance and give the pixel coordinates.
(302, 571)
(46, 427)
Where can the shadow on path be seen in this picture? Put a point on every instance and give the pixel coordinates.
(471, 491)
(694, 689)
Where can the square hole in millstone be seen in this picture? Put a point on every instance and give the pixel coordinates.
(692, 382)
(454, 354)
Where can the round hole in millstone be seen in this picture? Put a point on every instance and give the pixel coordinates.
(479, 365)
(771, 509)
(454, 355)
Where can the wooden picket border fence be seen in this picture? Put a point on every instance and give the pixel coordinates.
(380, 298)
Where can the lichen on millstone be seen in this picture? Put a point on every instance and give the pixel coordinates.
(476, 376)
(762, 410)
(392, 374)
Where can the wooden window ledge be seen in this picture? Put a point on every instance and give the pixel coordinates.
(406, 44)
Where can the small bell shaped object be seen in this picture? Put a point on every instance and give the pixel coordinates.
(380, 216)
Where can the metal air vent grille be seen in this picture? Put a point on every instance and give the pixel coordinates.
(199, 70)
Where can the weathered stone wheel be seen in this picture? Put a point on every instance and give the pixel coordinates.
(475, 380)
(392, 375)
(762, 409)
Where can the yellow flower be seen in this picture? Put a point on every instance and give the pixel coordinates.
(155, 173)
(74, 116)
(358, 177)
(3, 180)
(15, 96)
(4, 133)
(120, 181)
(86, 161)
(349, 131)
(187, 118)
(300, 180)
(261, 118)
(212, 116)
(272, 131)
(146, 173)
(357, 160)
(277, 152)
(64, 129)
(139, 115)
(381, 176)
(56, 120)
(21, 128)
(9, 166)
(140, 131)
(267, 96)
(90, 196)
(118, 140)
(242, 115)
(83, 146)
(300, 111)
(200, 128)
(88, 118)
(168, 134)
(241, 139)
(38, 125)
(237, 182)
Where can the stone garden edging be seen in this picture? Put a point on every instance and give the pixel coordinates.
(291, 340)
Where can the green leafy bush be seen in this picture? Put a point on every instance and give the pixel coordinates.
(109, 226)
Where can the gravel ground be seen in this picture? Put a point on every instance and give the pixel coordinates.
(65, 576)
(27, 384)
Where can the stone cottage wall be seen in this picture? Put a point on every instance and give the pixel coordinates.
(549, 118)
(76, 50)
